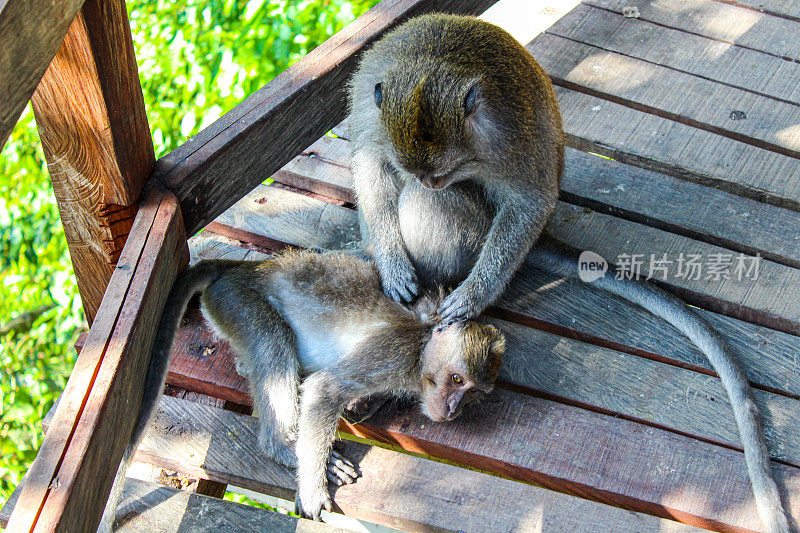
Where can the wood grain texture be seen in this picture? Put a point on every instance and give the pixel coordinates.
(401, 491)
(211, 171)
(29, 44)
(71, 476)
(692, 100)
(689, 53)
(780, 8)
(767, 300)
(722, 21)
(147, 507)
(595, 456)
(662, 394)
(618, 189)
(90, 113)
(631, 136)
(671, 204)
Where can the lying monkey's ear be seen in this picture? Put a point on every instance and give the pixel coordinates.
(498, 345)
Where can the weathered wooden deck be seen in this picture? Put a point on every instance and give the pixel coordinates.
(606, 418)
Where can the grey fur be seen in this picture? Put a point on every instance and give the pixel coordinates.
(503, 160)
(313, 332)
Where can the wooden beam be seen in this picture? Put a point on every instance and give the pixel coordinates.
(69, 481)
(91, 117)
(223, 162)
(30, 32)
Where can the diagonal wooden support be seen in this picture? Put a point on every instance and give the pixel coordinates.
(69, 481)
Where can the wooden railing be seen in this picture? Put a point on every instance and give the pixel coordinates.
(91, 117)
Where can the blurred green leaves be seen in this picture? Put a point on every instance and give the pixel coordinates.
(197, 59)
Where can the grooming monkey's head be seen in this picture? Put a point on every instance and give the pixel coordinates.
(460, 364)
(431, 121)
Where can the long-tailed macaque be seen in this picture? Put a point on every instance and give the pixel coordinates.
(313, 332)
(457, 160)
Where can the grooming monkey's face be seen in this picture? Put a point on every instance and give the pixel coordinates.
(460, 365)
(429, 124)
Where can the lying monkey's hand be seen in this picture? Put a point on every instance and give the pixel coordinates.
(311, 504)
(399, 279)
(464, 303)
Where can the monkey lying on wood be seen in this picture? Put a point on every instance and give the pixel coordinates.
(458, 152)
(313, 332)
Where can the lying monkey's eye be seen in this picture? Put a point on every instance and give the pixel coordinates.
(457, 379)
(378, 94)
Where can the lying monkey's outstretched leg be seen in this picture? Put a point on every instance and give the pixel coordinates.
(321, 406)
(266, 351)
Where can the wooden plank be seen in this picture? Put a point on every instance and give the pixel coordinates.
(569, 308)
(666, 146)
(29, 44)
(600, 457)
(146, 507)
(711, 59)
(718, 20)
(665, 92)
(652, 390)
(572, 309)
(72, 474)
(611, 187)
(780, 8)
(90, 113)
(767, 300)
(671, 204)
(401, 491)
(211, 171)
(294, 219)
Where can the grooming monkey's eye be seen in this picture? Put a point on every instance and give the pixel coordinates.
(469, 101)
(378, 94)
(458, 380)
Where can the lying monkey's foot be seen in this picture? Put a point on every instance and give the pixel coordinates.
(311, 504)
(362, 408)
(340, 470)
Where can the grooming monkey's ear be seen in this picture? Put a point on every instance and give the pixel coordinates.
(378, 94)
(471, 101)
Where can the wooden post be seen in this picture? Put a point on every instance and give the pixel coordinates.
(90, 113)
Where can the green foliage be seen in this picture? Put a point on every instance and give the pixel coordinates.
(197, 59)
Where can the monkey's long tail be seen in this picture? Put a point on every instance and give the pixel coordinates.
(557, 258)
(194, 280)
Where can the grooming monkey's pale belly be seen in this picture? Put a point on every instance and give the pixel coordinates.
(443, 230)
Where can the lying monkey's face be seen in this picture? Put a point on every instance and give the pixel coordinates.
(460, 365)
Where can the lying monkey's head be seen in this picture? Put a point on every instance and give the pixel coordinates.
(459, 365)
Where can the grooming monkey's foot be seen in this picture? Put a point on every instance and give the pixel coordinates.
(360, 409)
(340, 470)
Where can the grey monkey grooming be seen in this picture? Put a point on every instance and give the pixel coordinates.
(457, 162)
(311, 333)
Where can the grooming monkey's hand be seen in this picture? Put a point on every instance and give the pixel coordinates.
(464, 303)
(399, 279)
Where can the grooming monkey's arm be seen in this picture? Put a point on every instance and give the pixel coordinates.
(515, 228)
(378, 202)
